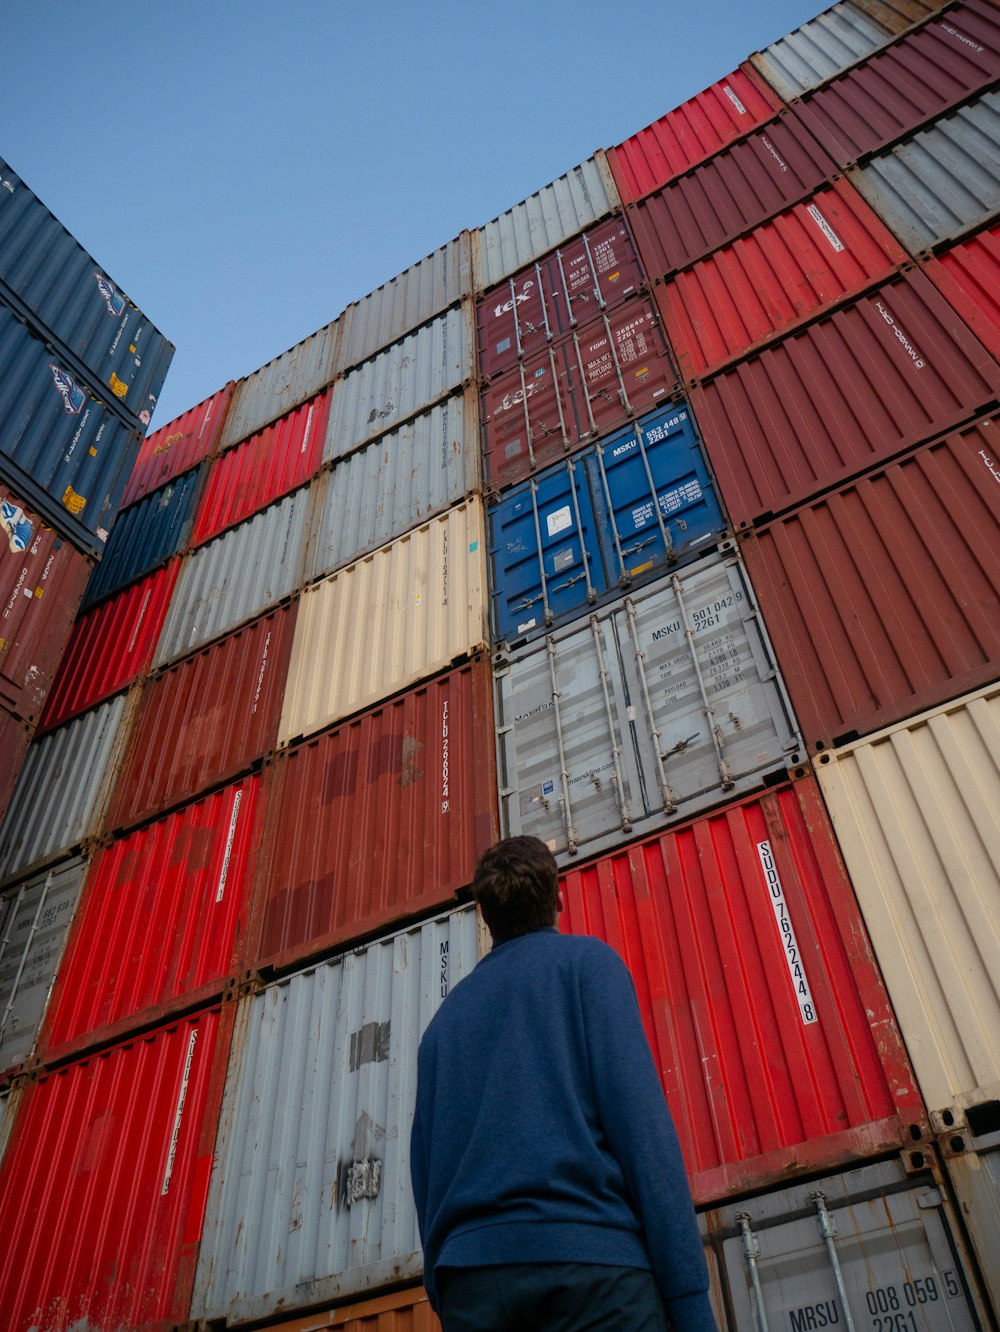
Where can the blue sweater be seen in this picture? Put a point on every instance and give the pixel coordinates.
(541, 1133)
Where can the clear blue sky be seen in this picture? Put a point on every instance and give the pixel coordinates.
(246, 169)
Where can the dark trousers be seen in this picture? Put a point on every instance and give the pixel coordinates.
(550, 1297)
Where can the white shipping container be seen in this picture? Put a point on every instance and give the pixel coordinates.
(817, 50)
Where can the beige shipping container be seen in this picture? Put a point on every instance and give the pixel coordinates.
(388, 621)
(915, 810)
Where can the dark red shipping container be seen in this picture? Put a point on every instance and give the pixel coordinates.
(582, 388)
(763, 1004)
(731, 194)
(103, 1187)
(42, 578)
(161, 924)
(382, 817)
(15, 737)
(110, 646)
(883, 599)
(271, 463)
(178, 446)
(900, 87)
(969, 277)
(205, 720)
(847, 392)
(814, 256)
(692, 132)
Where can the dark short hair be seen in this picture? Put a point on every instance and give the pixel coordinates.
(516, 884)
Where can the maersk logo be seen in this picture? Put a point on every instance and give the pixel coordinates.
(72, 395)
(113, 298)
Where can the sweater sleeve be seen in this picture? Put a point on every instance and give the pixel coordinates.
(641, 1134)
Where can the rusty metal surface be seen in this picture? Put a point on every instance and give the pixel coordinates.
(178, 446)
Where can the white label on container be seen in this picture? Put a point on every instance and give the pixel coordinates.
(308, 429)
(907, 346)
(229, 846)
(526, 625)
(182, 1097)
(836, 243)
(559, 521)
(796, 971)
(445, 787)
(734, 99)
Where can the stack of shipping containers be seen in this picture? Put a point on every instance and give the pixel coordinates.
(654, 518)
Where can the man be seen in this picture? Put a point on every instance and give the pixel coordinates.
(547, 1175)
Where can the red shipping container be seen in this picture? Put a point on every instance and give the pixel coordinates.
(692, 132)
(161, 924)
(732, 193)
(271, 463)
(576, 391)
(103, 1187)
(814, 256)
(178, 446)
(759, 991)
(883, 599)
(15, 737)
(568, 289)
(110, 646)
(907, 83)
(42, 578)
(382, 817)
(205, 720)
(969, 277)
(843, 394)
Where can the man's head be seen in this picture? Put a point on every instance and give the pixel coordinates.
(517, 887)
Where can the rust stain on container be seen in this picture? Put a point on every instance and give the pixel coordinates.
(178, 446)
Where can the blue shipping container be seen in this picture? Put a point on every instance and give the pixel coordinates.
(52, 282)
(621, 513)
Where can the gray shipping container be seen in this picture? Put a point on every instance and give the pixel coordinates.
(401, 381)
(655, 708)
(972, 1163)
(395, 483)
(817, 50)
(874, 1249)
(405, 302)
(939, 183)
(310, 1198)
(63, 787)
(34, 920)
(236, 577)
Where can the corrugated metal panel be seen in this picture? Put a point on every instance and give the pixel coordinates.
(941, 182)
(568, 289)
(814, 256)
(257, 472)
(401, 381)
(614, 516)
(660, 706)
(236, 577)
(63, 788)
(402, 1311)
(34, 918)
(973, 1168)
(406, 301)
(110, 646)
(205, 720)
(743, 921)
(162, 923)
(817, 50)
(898, 15)
(422, 600)
(15, 736)
(735, 191)
(396, 482)
(881, 598)
(881, 1246)
(62, 449)
(969, 277)
(915, 811)
(916, 78)
(376, 820)
(146, 535)
(584, 386)
(310, 1195)
(52, 281)
(692, 132)
(42, 579)
(890, 371)
(568, 204)
(178, 446)
(126, 1137)
(281, 384)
